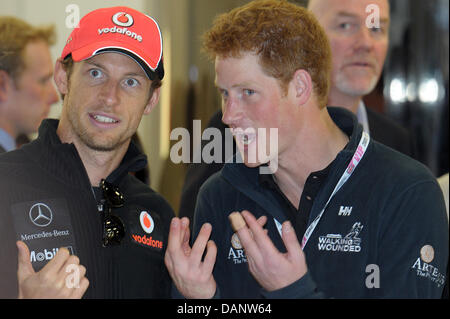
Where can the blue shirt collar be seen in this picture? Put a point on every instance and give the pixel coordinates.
(6, 141)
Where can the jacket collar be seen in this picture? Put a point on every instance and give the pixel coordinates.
(246, 180)
(62, 160)
(7, 143)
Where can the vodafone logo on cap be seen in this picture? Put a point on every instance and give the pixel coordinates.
(123, 19)
(147, 222)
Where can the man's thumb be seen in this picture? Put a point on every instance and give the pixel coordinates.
(25, 269)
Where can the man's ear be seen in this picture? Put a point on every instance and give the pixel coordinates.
(60, 77)
(302, 85)
(153, 101)
(6, 84)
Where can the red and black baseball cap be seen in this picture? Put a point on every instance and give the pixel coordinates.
(118, 29)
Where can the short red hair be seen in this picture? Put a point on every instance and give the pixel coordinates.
(286, 37)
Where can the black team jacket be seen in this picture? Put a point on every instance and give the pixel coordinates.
(46, 200)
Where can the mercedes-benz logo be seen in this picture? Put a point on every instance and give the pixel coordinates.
(41, 215)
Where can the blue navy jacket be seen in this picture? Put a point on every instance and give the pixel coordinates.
(383, 235)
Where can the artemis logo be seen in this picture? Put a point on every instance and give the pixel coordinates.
(38, 256)
(123, 19)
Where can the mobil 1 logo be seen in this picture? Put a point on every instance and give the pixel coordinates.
(45, 226)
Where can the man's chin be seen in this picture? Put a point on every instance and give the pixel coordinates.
(357, 87)
(251, 165)
(102, 146)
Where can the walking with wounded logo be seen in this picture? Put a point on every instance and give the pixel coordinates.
(349, 243)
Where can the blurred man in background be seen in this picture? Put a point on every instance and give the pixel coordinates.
(358, 32)
(26, 79)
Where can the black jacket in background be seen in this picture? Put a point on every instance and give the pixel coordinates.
(51, 173)
(388, 132)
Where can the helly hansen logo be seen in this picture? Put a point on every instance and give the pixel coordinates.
(345, 210)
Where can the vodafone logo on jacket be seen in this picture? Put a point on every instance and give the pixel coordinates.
(147, 222)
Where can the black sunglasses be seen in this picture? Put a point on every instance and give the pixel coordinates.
(113, 227)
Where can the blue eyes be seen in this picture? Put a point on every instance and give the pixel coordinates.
(248, 92)
(245, 93)
(353, 27)
(98, 74)
(131, 82)
(95, 73)
(224, 93)
(345, 26)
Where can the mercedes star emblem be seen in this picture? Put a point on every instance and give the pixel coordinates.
(41, 215)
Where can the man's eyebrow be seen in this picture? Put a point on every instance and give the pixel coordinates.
(127, 74)
(343, 14)
(237, 85)
(141, 74)
(94, 64)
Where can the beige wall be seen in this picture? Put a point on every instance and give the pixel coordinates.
(184, 21)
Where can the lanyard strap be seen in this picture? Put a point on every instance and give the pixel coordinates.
(357, 156)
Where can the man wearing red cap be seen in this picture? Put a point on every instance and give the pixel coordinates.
(74, 223)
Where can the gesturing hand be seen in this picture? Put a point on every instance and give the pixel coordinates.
(272, 269)
(53, 280)
(192, 276)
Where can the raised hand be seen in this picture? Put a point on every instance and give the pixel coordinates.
(62, 278)
(272, 269)
(192, 276)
